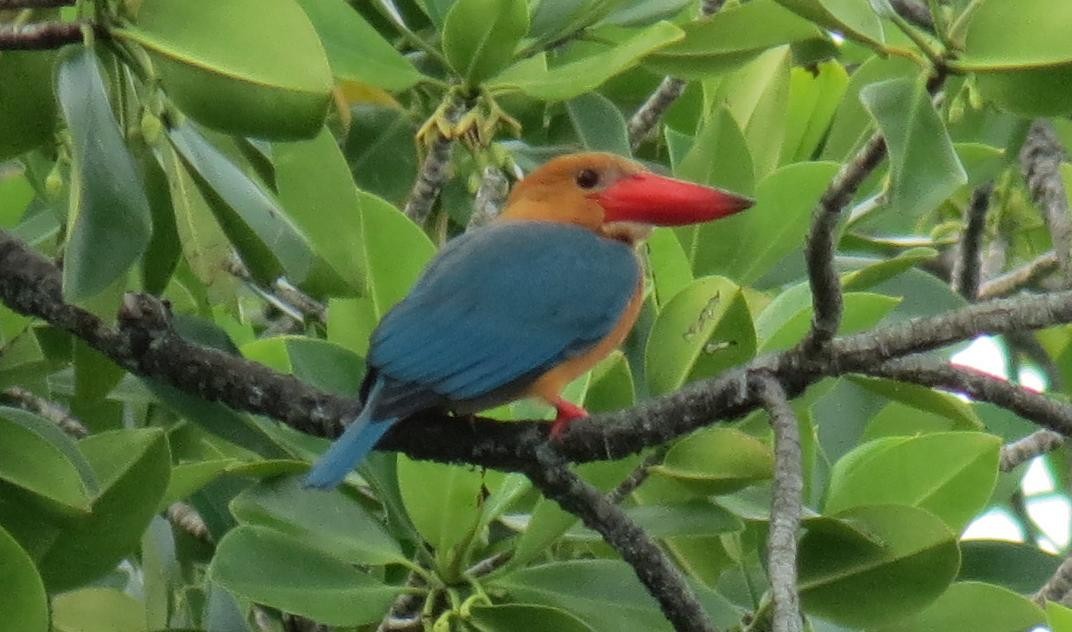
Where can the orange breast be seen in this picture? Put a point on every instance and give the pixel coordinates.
(550, 384)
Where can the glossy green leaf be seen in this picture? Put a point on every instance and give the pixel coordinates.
(605, 594)
(720, 155)
(97, 609)
(318, 193)
(95, 374)
(671, 270)
(246, 67)
(748, 245)
(164, 251)
(389, 234)
(41, 463)
(584, 75)
(479, 36)
(693, 518)
(814, 96)
(643, 12)
(332, 522)
(525, 617)
(852, 124)
(27, 104)
(280, 571)
(718, 460)
(381, 151)
(924, 168)
(910, 561)
(1015, 565)
(785, 321)
(855, 19)
(611, 386)
(599, 124)
(757, 95)
(923, 398)
(705, 329)
(1032, 92)
(976, 607)
(356, 50)
(1018, 34)
(951, 474)
(204, 244)
(257, 226)
(730, 38)
(110, 221)
(1059, 617)
(133, 467)
(884, 269)
(444, 502)
(22, 595)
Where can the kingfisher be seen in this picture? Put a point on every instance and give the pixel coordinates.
(523, 306)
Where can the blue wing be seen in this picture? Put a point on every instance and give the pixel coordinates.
(499, 306)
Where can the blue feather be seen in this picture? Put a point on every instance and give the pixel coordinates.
(351, 448)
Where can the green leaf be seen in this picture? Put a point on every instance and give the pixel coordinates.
(705, 329)
(605, 594)
(855, 19)
(1014, 565)
(924, 168)
(1032, 92)
(574, 78)
(97, 610)
(282, 572)
(389, 232)
(1059, 617)
(748, 245)
(27, 104)
(444, 502)
(355, 49)
(885, 269)
(757, 95)
(922, 398)
(165, 246)
(110, 221)
(257, 226)
(1008, 35)
(318, 192)
(479, 36)
(524, 617)
(204, 244)
(95, 374)
(859, 583)
(671, 270)
(692, 518)
(41, 463)
(599, 124)
(245, 67)
(730, 38)
(381, 151)
(720, 155)
(133, 467)
(814, 97)
(22, 595)
(951, 474)
(976, 607)
(787, 318)
(851, 122)
(717, 461)
(332, 522)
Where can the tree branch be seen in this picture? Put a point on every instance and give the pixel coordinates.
(785, 504)
(34, 4)
(549, 472)
(914, 12)
(435, 169)
(59, 415)
(490, 197)
(40, 35)
(1035, 444)
(1021, 277)
(969, 263)
(1040, 159)
(637, 477)
(1058, 586)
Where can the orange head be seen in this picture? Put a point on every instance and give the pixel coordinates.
(615, 196)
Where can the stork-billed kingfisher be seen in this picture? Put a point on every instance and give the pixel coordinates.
(523, 306)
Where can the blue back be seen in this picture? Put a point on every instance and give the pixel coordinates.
(498, 305)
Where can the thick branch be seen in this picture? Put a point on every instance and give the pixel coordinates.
(1058, 586)
(40, 36)
(552, 476)
(1035, 444)
(785, 505)
(969, 263)
(1040, 159)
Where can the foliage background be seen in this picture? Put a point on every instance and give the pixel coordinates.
(280, 171)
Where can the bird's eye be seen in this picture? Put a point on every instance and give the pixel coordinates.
(587, 178)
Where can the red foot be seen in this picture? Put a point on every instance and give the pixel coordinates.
(567, 414)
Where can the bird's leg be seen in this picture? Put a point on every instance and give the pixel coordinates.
(567, 413)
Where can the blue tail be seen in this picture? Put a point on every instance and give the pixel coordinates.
(349, 449)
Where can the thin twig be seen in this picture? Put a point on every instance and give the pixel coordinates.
(1040, 160)
(186, 518)
(637, 477)
(676, 598)
(1024, 276)
(40, 35)
(57, 414)
(295, 304)
(968, 265)
(785, 505)
(1023, 450)
(489, 564)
